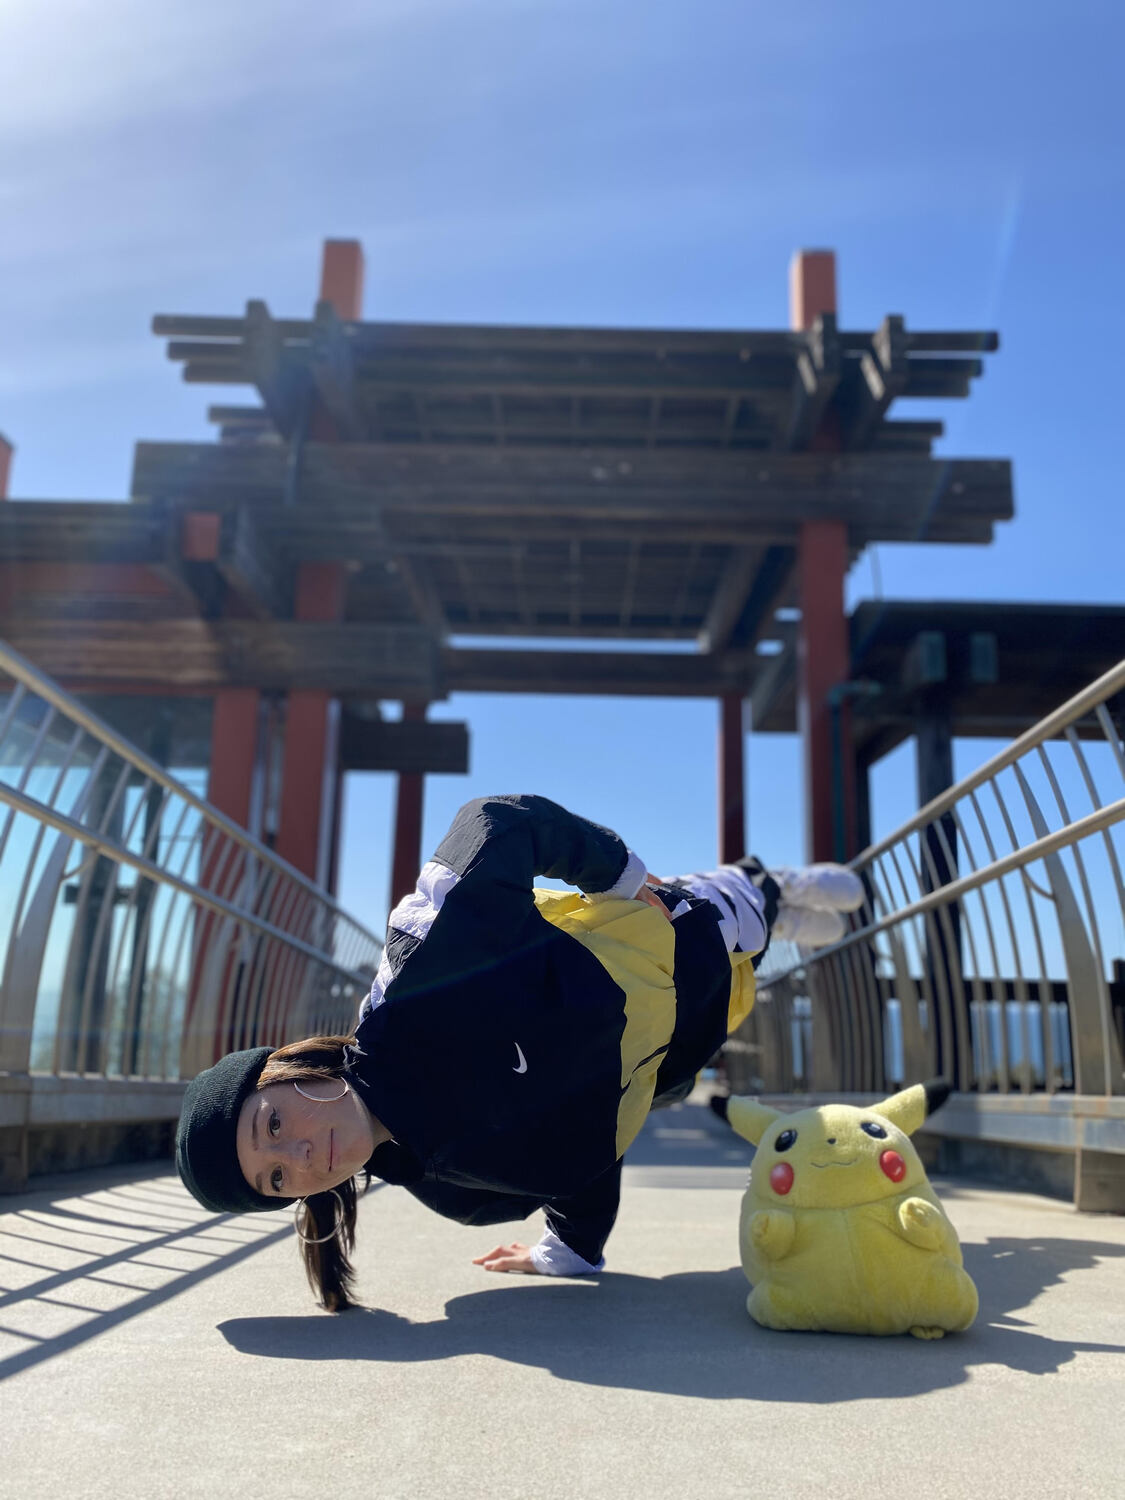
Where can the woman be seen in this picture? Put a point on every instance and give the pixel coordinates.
(512, 1044)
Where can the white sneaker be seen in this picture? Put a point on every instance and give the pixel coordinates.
(822, 887)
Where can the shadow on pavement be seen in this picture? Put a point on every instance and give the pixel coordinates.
(689, 1334)
(79, 1258)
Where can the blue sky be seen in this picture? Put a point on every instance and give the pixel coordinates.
(616, 163)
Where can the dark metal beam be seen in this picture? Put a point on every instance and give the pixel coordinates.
(819, 368)
(885, 373)
(414, 747)
(729, 599)
(616, 673)
(333, 372)
(282, 382)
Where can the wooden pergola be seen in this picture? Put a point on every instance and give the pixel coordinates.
(397, 491)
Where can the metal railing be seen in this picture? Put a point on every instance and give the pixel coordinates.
(991, 948)
(142, 933)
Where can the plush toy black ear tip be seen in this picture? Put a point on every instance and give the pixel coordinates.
(718, 1103)
(938, 1091)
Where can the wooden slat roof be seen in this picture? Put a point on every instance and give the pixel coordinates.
(624, 484)
(1044, 654)
(641, 388)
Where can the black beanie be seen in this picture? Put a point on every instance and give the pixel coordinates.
(206, 1150)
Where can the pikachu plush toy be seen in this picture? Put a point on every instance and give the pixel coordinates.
(841, 1230)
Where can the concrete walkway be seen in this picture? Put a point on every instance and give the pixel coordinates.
(148, 1350)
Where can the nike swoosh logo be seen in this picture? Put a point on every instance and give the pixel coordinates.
(523, 1060)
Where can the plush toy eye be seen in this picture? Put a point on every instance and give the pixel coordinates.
(874, 1130)
(785, 1140)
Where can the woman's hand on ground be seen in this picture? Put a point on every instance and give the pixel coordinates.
(513, 1257)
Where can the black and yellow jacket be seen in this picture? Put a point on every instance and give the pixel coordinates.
(515, 1038)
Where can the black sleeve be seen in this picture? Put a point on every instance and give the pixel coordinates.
(502, 843)
(583, 1221)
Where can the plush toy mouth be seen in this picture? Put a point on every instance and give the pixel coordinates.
(850, 1162)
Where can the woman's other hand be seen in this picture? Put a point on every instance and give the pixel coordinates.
(650, 898)
(513, 1257)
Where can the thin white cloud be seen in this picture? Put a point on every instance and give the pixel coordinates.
(68, 63)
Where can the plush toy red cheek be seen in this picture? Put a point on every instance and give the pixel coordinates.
(781, 1177)
(893, 1165)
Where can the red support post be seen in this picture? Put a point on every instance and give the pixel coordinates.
(234, 780)
(234, 754)
(407, 858)
(341, 278)
(822, 666)
(812, 287)
(307, 820)
(6, 451)
(732, 780)
(822, 650)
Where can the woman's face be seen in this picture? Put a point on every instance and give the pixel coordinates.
(290, 1146)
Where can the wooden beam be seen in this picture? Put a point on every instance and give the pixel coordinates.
(387, 661)
(82, 531)
(253, 568)
(239, 416)
(333, 372)
(282, 383)
(652, 421)
(491, 339)
(771, 586)
(881, 496)
(818, 374)
(729, 598)
(773, 680)
(629, 584)
(191, 564)
(884, 370)
(616, 673)
(416, 747)
(423, 595)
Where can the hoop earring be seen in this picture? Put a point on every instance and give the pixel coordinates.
(309, 1239)
(316, 1098)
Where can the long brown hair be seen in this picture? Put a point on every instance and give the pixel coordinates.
(327, 1265)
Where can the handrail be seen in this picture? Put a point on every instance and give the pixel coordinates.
(213, 943)
(1050, 844)
(963, 961)
(1091, 697)
(13, 665)
(203, 898)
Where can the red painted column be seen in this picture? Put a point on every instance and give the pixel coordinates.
(6, 451)
(812, 287)
(407, 858)
(312, 724)
(234, 754)
(341, 278)
(233, 781)
(308, 825)
(822, 664)
(822, 649)
(732, 780)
